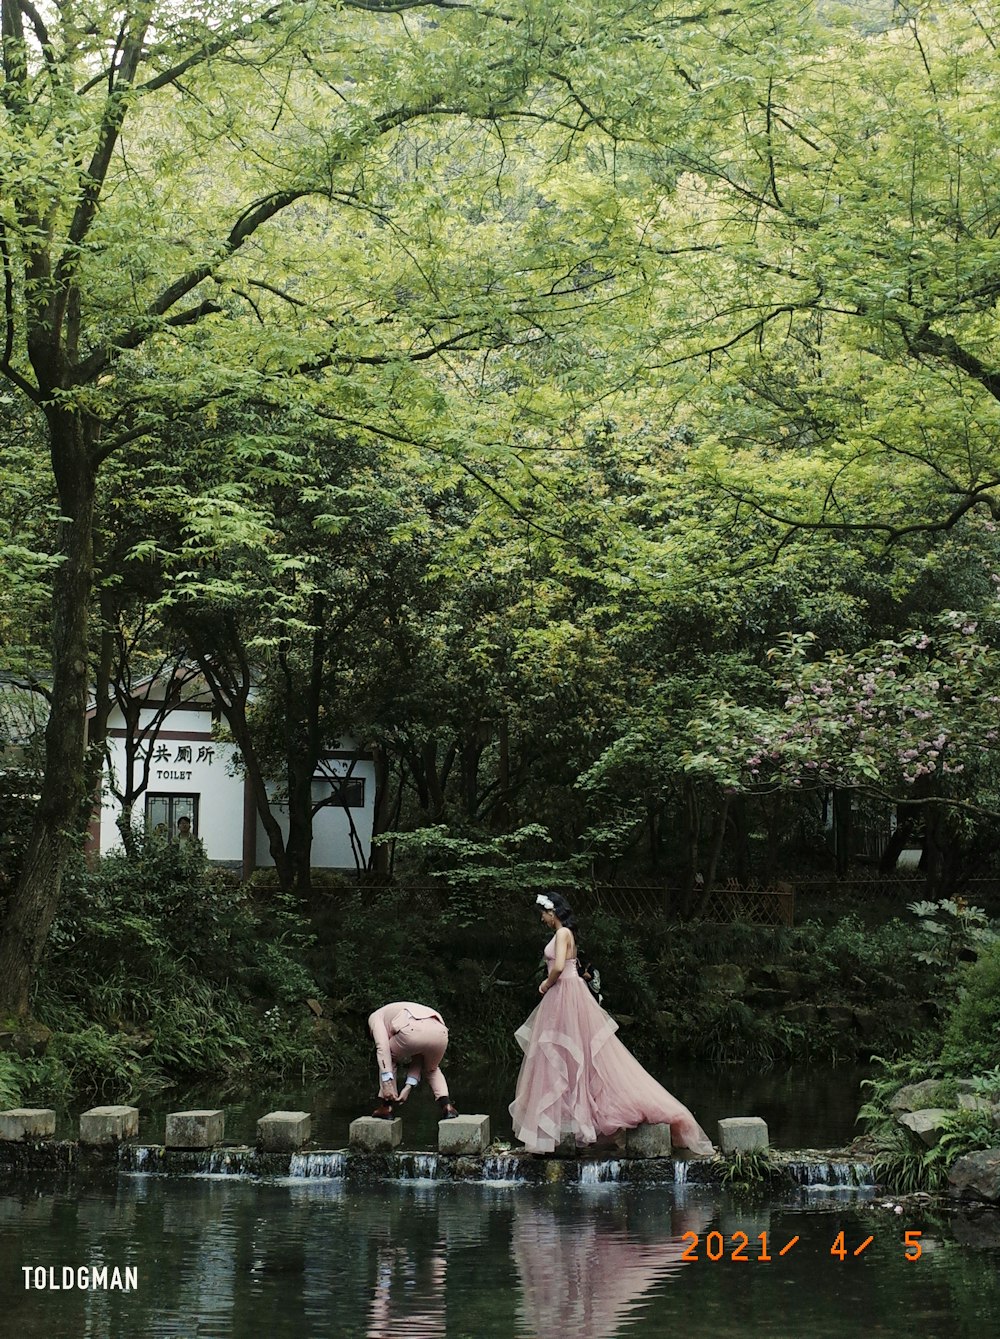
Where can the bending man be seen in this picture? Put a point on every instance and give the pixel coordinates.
(415, 1036)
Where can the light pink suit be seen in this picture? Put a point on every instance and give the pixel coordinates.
(413, 1035)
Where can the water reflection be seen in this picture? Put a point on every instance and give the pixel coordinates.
(409, 1293)
(222, 1258)
(585, 1275)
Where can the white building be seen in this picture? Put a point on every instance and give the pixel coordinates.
(181, 772)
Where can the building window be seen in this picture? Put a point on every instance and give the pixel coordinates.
(345, 792)
(173, 816)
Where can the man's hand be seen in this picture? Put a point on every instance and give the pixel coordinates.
(387, 1089)
(405, 1091)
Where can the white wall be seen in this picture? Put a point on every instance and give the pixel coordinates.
(331, 847)
(186, 760)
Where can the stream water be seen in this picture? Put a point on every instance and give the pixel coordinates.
(234, 1259)
(313, 1254)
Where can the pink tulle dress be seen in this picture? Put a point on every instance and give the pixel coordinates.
(578, 1081)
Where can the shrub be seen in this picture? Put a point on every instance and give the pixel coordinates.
(971, 1041)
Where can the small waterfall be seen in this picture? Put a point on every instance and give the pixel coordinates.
(835, 1173)
(229, 1162)
(596, 1173)
(142, 1158)
(680, 1172)
(502, 1167)
(330, 1166)
(419, 1166)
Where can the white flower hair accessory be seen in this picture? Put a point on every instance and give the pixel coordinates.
(545, 902)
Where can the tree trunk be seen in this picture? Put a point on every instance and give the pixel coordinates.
(64, 804)
(378, 855)
(843, 830)
(741, 828)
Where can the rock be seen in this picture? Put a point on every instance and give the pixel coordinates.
(802, 1015)
(976, 1176)
(725, 978)
(764, 997)
(974, 1102)
(916, 1096)
(868, 1023)
(28, 1038)
(926, 1123)
(315, 1008)
(784, 979)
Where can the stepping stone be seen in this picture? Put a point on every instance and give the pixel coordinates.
(194, 1129)
(368, 1134)
(22, 1124)
(283, 1131)
(743, 1134)
(648, 1141)
(101, 1126)
(464, 1135)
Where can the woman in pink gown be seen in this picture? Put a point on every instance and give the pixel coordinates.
(577, 1080)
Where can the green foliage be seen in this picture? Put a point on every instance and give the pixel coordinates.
(971, 1036)
(955, 932)
(749, 1169)
(162, 968)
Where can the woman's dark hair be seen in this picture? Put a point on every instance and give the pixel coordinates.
(584, 965)
(562, 909)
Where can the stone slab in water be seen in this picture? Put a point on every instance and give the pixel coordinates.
(194, 1129)
(743, 1134)
(21, 1124)
(464, 1135)
(648, 1141)
(108, 1125)
(283, 1131)
(372, 1135)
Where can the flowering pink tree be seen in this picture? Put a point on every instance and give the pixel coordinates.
(914, 721)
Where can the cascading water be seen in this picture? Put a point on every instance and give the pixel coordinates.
(331, 1166)
(832, 1174)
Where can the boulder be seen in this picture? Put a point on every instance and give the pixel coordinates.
(840, 1016)
(27, 1039)
(976, 1176)
(916, 1096)
(926, 1123)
